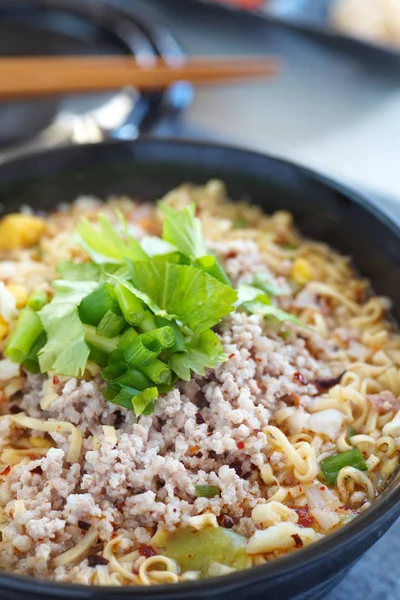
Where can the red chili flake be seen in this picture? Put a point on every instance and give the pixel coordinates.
(305, 522)
(305, 519)
(344, 507)
(259, 385)
(199, 419)
(231, 254)
(96, 559)
(322, 488)
(56, 380)
(297, 540)
(300, 378)
(231, 356)
(146, 551)
(226, 521)
(84, 525)
(5, 471)
(302, 512)
(190, 555)
(240, 445)
(38, 470)
(199, 455)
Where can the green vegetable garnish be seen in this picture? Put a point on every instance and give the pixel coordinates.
(331, 466)
(37, 300)
(26, 331)
(182, 229)
(207, 491)
(145, 318)
(197, 550)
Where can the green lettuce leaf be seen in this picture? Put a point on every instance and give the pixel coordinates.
(106, 245)
(65, 352)
(202, 353)
(182, 292)
(268, 310)
(264, 282)
(68, 294)
(84, 271)
(182, 229)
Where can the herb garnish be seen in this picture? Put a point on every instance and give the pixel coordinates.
(145, 318)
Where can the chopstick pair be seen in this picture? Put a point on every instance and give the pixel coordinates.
(42, 76)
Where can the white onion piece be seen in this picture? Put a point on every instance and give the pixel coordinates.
(328, 422)
(325, 518)
(322, 498)
(298, 420)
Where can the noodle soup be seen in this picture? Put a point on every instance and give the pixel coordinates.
(187, 389)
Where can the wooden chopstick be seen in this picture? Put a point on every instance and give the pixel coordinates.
(40, 76)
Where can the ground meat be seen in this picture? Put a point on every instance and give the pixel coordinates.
(384, 402)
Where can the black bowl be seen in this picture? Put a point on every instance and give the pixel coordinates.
(324, 210)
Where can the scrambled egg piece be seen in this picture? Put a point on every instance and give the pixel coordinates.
(20, 231)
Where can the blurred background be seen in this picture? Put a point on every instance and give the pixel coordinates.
(335, 105)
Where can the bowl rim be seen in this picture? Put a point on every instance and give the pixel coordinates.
(386, 507)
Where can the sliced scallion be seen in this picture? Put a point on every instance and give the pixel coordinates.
(133, 378)
(331, 466)
(158, 372)
(207, 491)
(31, 362)
(143, 403)
(179, 345)
(164, 335)
(127, 340)
(111, 324)
(100, 342)
(143, 351)
(25, 333)
(37, 300)
(98, 356)
(131, 307)
(94, 306)
(148, 323)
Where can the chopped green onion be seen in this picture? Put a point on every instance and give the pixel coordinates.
(100, 342)
(123, 397)
(143, 351)
(98, 356)
(179, 345)
(131, 377)
(111, 324)
(143, 403)
(131, 307)
(31, 363)
(207, 491)
(37, 300)
(110, 392)
(165, 335)
(127, 339)
(148, 323)
(94, 306)
(25, 333)
(331, 466)
(158, 372)
(210, 265)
